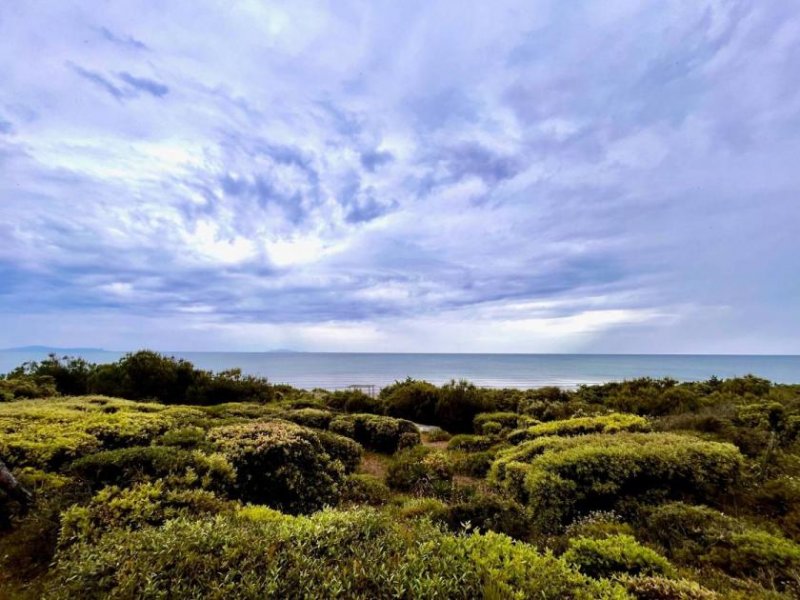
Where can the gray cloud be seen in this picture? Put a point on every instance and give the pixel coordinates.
(618, 177)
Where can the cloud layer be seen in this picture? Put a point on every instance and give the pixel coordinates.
(453, 176)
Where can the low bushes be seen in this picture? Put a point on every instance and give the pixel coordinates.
(656, 587)
(378, 433)
(486, 511)
(309, 417)
(143, 463)
(280, 464)
(611, 423)
(506, 420)
(341, 448)
(364, 489)
(563, 477)
(349, 554)
(471, 443)
(420, 470)
(49, 434)
(134, 508)
(411, 399)
(613, 555)
(701, 535)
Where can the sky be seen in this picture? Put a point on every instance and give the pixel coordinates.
(610, 176)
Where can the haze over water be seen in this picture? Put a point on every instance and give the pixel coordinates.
(338, 370)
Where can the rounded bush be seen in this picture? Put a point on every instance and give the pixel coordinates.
(375, 432)
(471, 443)
(410, 399)
(362, 488)
(142, 463)
(611, 423)
(561, 478)
(645, 587)
(615, 554)
(133, 508)
(309, 417)
(280, 464)
(420, 470)
(341, 448)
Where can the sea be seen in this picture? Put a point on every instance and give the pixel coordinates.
(340, 370)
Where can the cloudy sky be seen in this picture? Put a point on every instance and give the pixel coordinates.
(538, 176)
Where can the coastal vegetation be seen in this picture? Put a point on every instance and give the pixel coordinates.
(150, 478)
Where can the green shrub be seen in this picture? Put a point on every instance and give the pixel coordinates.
(459, 402)
(16, 388)
(375, 432)
(133, 508)
(49, 434)
(563, 477)
(438, 435)
(646, 587)
(280, 464)
(432, 509)
(341, 448)
(615, 554)
(361, 488)
(411, 399)
(698, 535)
(350, 554)
(779, 501)
(471, 464)
(598, 525)
(309, 417)
(471, 443)
(420, 470)
(611, 423)
(354, 401)
(145, 463)
(488, 511)
(506, 420)
(183, 437)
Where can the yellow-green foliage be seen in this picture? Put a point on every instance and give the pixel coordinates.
(698, 535)
(361, 488)
(345, 554)
(613, 555)
(144, 463)
(133, 508)
(611, 423)
(309, 417)
(49, 433)
(280, 464)
(656, 587)
(562, 477)
(420, 470)
(471, 443)
(506, 420)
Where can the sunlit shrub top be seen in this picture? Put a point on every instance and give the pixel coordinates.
(611, 423)
(348, 554)
(49, 433)
(560, 477)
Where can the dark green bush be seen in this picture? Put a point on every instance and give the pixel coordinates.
(613, 555)
(459, 402)
(351, 554)
(365, 489)
(411, 399)
(145, 463)
(375, 432)
(488, 511)
(341, 448)
(422, 471)
(354, 401)
(561, 478)
(14, 388)
(280, 464)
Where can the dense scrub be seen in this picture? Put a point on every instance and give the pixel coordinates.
(648, 489)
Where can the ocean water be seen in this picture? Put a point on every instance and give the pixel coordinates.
(339, 370)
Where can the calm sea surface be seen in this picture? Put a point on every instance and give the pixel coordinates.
(338, 370)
